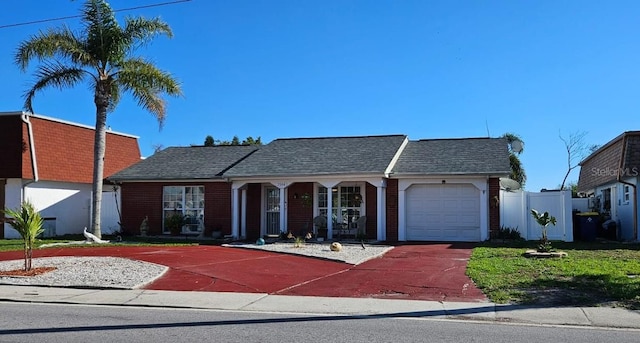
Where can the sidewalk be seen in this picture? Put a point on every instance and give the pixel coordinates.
(360, 307)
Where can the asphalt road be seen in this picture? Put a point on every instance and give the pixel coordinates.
(26, 322)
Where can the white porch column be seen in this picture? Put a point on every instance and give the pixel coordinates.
(235, 213)
(380, 212)
(283, 212)
(243, 214)
(235, 210)
(402, 220)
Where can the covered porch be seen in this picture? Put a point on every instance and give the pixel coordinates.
(331, 208)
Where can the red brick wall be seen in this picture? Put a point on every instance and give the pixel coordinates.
(300, 216)
(145, 199)
(392, 210)
(140, 200)
(217, 207)
(64, 152)
(494, 206)
(371, 203)
(254, 194)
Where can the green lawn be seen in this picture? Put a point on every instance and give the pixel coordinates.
(16, 244)
(593, 274)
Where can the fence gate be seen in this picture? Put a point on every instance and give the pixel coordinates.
(515, 212)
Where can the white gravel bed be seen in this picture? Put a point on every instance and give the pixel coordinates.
(86, 272)
(350, 253)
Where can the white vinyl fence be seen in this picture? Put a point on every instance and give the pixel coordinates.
(515, 212)
(109, 217)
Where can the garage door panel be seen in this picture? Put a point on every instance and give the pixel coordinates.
(438, 212)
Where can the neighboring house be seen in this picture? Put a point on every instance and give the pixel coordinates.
(50, 162)
(610, 177)
(433, 190)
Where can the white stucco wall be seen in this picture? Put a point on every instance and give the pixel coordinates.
(68, 203)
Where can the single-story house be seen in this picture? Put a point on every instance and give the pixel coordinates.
(50, 162)
(609, 176)
(387, 187)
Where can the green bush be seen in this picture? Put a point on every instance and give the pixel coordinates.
(508, 233)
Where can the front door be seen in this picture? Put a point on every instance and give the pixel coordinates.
(272, 211)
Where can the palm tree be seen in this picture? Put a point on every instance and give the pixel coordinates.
(517, 171)
(102, 55)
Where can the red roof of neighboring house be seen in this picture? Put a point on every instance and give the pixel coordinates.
(63, 150)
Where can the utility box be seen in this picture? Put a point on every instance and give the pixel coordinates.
(49, 226)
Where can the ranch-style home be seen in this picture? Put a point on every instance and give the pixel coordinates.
(50, 162)
(386, 188)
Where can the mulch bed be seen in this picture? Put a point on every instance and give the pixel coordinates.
(31, 272)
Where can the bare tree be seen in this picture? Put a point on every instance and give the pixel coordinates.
(576, 149)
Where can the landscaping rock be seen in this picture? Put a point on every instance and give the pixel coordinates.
(536, 254)
(335, 246)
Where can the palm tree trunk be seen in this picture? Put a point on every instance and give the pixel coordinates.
(26, 257)
(99, 148)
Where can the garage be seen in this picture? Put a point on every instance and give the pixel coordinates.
(443, 212)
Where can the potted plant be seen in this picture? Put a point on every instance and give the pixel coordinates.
(174, 223)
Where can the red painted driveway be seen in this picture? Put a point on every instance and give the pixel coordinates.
(418, 272)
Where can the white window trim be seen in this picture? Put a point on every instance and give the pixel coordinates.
(363, 203)
(184, 207)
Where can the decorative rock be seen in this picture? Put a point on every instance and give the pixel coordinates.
(335, 246)
(534, 253)
(260, 241)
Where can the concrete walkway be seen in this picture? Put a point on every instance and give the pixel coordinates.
(360, 307)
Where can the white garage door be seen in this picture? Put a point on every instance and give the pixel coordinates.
(443, 212)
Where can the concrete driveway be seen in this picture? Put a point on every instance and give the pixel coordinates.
(414, 271)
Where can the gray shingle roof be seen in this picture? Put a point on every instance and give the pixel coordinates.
(179, 163)
(454, 156)
(321, 156)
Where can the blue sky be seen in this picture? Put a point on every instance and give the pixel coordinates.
(428, 69)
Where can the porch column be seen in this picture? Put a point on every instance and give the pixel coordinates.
(235, 213)
(283, 212)
(402, 222)
(235, 210)
(243, 213)
(380, 211)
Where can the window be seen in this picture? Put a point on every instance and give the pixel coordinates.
(625, 193)
(347, 204)
(187, 201)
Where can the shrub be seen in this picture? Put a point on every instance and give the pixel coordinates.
(508, 233)
(28, 222)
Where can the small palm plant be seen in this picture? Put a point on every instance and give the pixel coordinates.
(544, 220)
(28, 222)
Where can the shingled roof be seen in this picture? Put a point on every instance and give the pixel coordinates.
(604, 165)
(180, 163)
(454, 157)
(321, 156)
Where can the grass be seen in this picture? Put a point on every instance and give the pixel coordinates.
(593, 274)
(17, 244)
